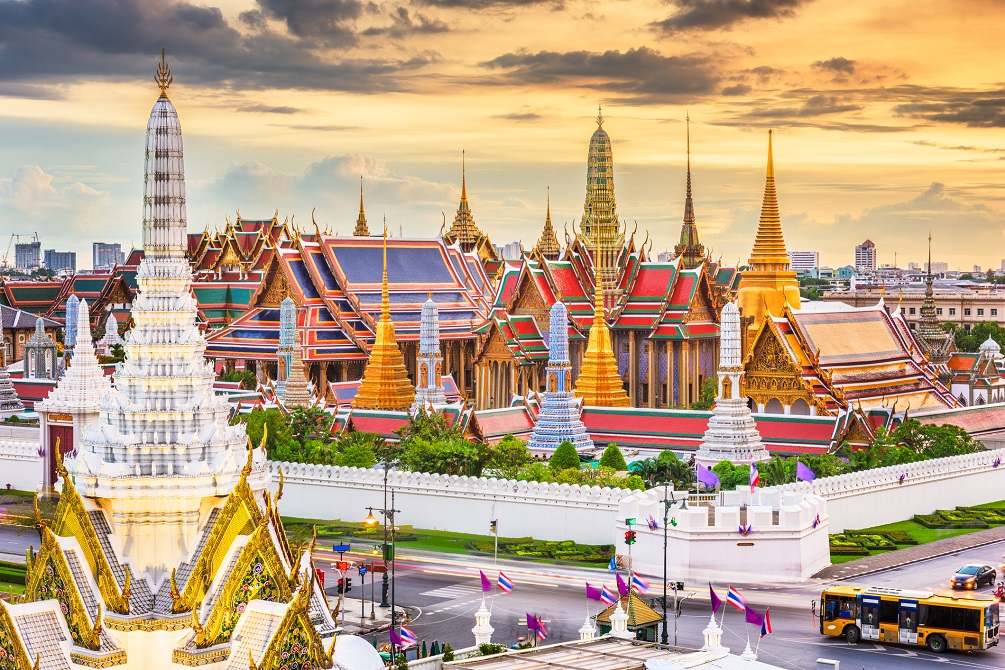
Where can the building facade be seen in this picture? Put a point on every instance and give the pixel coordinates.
(804, 261)
(60, 261)
(865, 257)
(965, 307)
(106, 255)
(28, 255)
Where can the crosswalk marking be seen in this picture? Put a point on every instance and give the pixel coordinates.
(451, 592)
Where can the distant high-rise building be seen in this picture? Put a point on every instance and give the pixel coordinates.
(60, 260)
(865, 257)
(938, 267)
(801, 261)
(977, 269)
(913, 267)
(28, 255)
(511, 252)
(105, 256)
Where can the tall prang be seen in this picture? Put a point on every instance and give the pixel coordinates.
(163, 442)
(70, 329)
(463, 230)
(287, 338)
(547, 246)
(600, 228)
(9, 402)
(689, 249)
(937, 344)
(732, 434)
(429, 362)
(558, 419)
(361, 229)
(770, 282)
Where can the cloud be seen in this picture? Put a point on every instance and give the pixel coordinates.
(46, 41)
(643, 75)
(492, 4)
(30, 91)
(817, 105)
(67, 209)
(838, 65)
(268, 109)
(738, 89)
(723, 14)
(959, 147)
(402, 25)
(519, 116)
(977, 109)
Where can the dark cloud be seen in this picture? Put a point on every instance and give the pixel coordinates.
(817, 105)
(519, 116)
(327, 20)
(492, 4)
(45, 41)
(403, 25)
(269, 109)
(642, 75)
(723, 14)
(977, 109)
(30, 91)
(959, 147)
(838, 65)
(764, 72)
(738, 89)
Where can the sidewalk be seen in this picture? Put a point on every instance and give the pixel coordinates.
(349, 618)
(894, 559)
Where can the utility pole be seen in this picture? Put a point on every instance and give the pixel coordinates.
(667, 499)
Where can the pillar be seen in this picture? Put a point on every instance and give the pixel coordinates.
(632, 369)
(653, 389)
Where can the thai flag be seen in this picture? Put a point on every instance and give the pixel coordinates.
(504, 583)
(734, 598)
(408, 638)
(542, 630)
(652, 523)
(766, 626)
(755, 476)
(607, 596)
(639, 584)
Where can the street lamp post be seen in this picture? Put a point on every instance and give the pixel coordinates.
(370, 520)
(667, 499)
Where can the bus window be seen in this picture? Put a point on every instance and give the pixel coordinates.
(840, 608)
(953, 618)
(888, 611)
(991, 616)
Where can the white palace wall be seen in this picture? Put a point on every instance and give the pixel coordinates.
(20, 464)
(876, 497)
(448, 502)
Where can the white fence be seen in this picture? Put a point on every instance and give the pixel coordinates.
(884, 495)
(459, 504)
(21, 464)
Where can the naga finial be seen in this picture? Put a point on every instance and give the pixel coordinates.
(163, 76)
(98, 627)
(39, 521)
(282, 480)
(175, 593)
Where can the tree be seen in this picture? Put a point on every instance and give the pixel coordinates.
(932, 441)
(777, 471)
(706, 397)
(982, 331)
(507, 456)
(359, 450)
(280, 438)
(731, 476)
(565, 457)
(309, 422)
(613, 458)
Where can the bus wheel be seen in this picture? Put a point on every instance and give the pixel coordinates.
(936, 643)
(852, 634)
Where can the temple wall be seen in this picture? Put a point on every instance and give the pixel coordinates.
(458, 504)
(20, 464)
(875, 497)
(783, 545)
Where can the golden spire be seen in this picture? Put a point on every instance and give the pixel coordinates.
(464, 177)
(769, 246)
(362, 230)
(547, 245)
(385, 383)
(599, 383)
(600, 116)
(163, 76)
(463, 229)
(689, 248)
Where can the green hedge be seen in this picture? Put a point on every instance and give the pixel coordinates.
(962, 517)
(849, 551)
(567, 550)
(12, 573)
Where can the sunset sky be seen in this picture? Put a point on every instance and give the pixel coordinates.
(889, 116)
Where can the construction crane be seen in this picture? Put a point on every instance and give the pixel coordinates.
(4, 263)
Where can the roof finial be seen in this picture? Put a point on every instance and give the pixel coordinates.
(385, 303)
(600, 116)
(688, 120)
(163, 76)
(548, 217)
(771, 160)
(464, 176)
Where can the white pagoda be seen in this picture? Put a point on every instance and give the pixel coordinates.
(429, 362)
(166, 549)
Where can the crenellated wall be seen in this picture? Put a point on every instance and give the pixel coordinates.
(449, 502)
(874, 497)
(20, 464)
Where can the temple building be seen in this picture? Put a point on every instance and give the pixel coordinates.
(662, 317)
(464, 232)
(769, 283)
(110, 339)
(9, 402)
(937, 344)
(547, 246)
(166, 548)
(361, 229)
(558, 418)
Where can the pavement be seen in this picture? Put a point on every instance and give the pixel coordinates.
(888, 560)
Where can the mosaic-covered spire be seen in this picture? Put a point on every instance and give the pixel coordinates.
(558, 419)
(463, 229)
(9, 402)
(164, 218)
(84, 384)
(769, 252)
(599, 383)
(689, 249)
(548, 246)
(70, 329)
(385, 383)
(937, 344)
(429, 362)
(111, 336)
(361, 230)
(287, 342)
(600, 227)
(296, 392)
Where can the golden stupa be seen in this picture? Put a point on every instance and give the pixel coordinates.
(385, 383)
(599, 383)
(769, 283)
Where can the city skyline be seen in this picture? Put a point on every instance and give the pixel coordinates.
(285, 105)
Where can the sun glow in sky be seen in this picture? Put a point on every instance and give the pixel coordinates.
(889, 116)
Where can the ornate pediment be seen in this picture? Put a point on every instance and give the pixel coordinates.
(770, 355)
(277, 287)
(298, 645)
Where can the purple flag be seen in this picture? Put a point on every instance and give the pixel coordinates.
(804, 473)
(486, 584)
(707, 477)
(531, 621)
(753, 616)
(395, 638)
(716, 602)
(622, 586)
(592, 592)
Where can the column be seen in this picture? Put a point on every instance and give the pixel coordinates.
(461, 378)
(632, 370)
(653, 376)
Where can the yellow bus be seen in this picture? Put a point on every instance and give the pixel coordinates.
(965, 623)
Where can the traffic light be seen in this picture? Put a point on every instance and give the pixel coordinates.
(341, 586)
(348, 584)
(494, 526)
(344, 585)
(629, 537)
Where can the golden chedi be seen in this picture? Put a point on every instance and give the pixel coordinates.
(599, 383)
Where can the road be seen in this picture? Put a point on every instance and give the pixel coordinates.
(444, 593)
